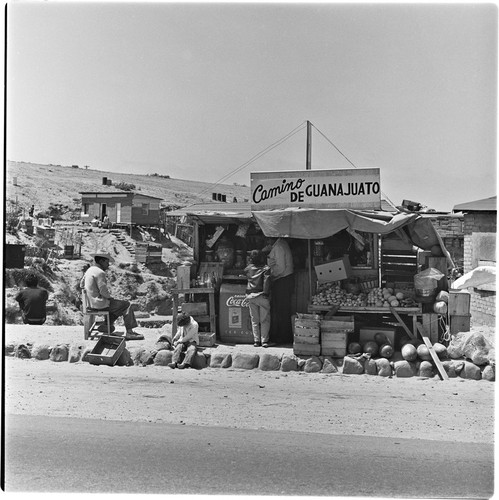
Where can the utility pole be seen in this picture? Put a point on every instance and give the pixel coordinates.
(309, 146)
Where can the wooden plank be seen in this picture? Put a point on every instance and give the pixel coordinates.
(433, 354)
(402, 324)
(381, 310)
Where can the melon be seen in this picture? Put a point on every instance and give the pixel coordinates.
(424, 353)
(386, 351)
(443, 296)
(395, 303)
(380, 338)
(354, 348)
(440, 349)
(379, 303)
(440, 307)
(409, 352)
(399, 295)
(371, 347)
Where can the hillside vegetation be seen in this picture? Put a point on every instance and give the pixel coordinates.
(41, 185)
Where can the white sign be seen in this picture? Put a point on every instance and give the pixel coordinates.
(352, 188)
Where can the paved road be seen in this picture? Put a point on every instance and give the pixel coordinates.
(85, 455)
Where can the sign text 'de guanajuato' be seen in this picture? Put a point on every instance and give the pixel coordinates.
(353, 188)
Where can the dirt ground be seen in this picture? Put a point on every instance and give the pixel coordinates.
(456, 410)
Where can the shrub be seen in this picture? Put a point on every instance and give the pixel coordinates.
(125, 186)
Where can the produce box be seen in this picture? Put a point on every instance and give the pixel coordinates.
(334, 344)
(195, 308)
(307, 349)
(107, 351)
(206, 339)
(368, 332)
(335, 270)
(337, 324)
(459, 302)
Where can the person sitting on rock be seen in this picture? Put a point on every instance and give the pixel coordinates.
(185, 341)
(94, 282)
(33, 301)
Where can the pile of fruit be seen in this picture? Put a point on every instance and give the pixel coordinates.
(333, 294)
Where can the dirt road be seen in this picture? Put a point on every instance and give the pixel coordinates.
(455, 410)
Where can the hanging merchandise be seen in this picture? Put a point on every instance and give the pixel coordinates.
(225, 252)
(425, 284)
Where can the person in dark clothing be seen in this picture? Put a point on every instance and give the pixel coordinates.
(31, 211)
(33, 301)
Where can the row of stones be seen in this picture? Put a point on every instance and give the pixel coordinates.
(161, 356)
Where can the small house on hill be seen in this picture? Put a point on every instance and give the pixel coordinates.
(480, 228)
(122, 207)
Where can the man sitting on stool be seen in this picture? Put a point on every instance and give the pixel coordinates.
(186, 340)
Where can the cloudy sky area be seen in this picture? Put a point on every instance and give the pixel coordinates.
(195, 91)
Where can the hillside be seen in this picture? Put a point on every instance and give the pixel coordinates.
(44, 184)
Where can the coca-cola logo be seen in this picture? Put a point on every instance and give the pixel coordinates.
(237, 301)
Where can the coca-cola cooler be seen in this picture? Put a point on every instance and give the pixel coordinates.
(234, 317)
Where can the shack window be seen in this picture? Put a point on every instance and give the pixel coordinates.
(145, 208)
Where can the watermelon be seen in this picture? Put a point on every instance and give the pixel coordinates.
(424, 353)
(409, 352)
(386, 351)
(440, 349)
(380, 338)
(440, 307)
(354, 348)
(371, 347)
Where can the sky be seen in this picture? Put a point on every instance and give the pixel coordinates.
(213, 92)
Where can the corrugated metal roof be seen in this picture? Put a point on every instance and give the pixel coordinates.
(484, 205)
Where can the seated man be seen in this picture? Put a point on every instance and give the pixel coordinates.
(33, 301)
(186, 340)
(94, 282)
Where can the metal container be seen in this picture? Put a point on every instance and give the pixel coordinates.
(234, 317)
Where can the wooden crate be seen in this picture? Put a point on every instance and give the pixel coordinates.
(334, 344)
(459, 303)
(307, 349)
(306, 331)
(460, 324)
(206, 339)
(107, 351)
(430, 326)
(337, 324)
(195, 308)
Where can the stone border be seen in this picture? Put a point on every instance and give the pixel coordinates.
(349, 365)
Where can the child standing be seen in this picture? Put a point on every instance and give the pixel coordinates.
(258, 297)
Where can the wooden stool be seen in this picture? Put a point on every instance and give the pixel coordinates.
(91, 316)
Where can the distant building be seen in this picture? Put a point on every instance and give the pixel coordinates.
(122, 207)
(480, 228)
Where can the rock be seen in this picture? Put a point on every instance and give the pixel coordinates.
(370, 367)
(41, 351)
(404, 369)
(124, 360)
(245, 361)
(199, 361)
(136, 354)
(397, 356)
(328, 365)
(22, 351)
(220, 360)
(470, 371)
(161, 346)
(384, 367)
(426, 369)
(289, 363)
(351, 366)
(163, 357)
(146, 357)
(450, 368)
(269, 362)
(312, 365)
(59, 353)
(301, 363)
(76, 352)
(489, 373)
(10, 349)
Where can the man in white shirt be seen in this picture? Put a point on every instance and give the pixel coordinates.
(185, 341)
(280, 261)
(94, 282)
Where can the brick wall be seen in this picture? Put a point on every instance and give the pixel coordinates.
(479, 244)
(451, 230)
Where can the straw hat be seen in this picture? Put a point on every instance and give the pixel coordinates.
(104, 255)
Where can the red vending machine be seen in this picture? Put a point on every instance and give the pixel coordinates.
(234, 317)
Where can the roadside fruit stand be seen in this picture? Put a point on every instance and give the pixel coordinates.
(355, 261)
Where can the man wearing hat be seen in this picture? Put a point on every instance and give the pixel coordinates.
(94, 282)
(186, 340)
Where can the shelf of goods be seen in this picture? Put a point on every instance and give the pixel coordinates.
(200, 311)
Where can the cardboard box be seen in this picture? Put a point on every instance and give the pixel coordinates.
(206, 339)
(368, 332)
(335, 270)
(107, 351)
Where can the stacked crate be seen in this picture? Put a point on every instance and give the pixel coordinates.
(148, 252)
(306, 339)
(334, 335)
(459, 311)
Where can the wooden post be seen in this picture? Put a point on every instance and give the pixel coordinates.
(309, 146)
